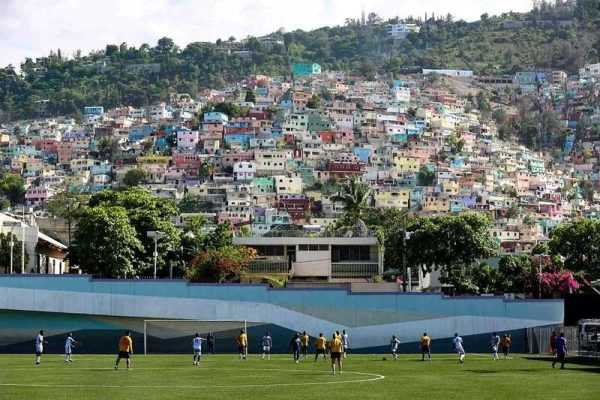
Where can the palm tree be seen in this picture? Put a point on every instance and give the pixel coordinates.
(355, 196)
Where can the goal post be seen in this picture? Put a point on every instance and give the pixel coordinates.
(175, 335)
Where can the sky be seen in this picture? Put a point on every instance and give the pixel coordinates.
(31, 28)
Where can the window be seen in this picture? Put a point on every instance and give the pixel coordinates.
(313, 247)
(350, 253)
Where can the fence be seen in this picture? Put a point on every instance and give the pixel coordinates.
(354, 270)
(538, 339)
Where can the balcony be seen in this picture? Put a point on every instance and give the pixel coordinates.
(269, 265)
(354, 269)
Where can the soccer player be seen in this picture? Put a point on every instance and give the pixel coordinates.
(197, 346)
(394, 345)
(39, 347)
(267, 343)
(320, 347)
(336, 347)
(494, 344)
(125, 349)
(458, 347)
(69, 344)
(304, 339)
(561, 351)
(553, 338)
(242, 342)
(505, 343)
(295, 346)
(425, 347)
(345, 342)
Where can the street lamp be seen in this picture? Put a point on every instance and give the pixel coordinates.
(405, 236)
(13, 224)
(155, 235)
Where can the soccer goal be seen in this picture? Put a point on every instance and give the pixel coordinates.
(175, 335)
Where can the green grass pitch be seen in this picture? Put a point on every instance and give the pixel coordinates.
(161, 377)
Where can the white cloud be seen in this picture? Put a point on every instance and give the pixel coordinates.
(30, 28)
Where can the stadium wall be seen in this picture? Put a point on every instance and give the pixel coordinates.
(97, 311)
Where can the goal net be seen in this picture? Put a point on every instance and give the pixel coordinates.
(168, 336)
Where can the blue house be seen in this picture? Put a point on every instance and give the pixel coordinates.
(363, 153)
(215, 117)
(140, 132)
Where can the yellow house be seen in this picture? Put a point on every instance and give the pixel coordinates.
(436, 204)
(396, 199)
(451, 187)
(406, 164)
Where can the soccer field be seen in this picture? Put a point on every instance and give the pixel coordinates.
(159, 377)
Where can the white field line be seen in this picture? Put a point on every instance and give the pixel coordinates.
(372, 378)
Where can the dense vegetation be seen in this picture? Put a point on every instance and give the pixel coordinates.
(126, 75)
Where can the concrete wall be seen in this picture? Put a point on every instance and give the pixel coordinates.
(370, 318)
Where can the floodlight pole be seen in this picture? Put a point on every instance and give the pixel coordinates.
(155, 235)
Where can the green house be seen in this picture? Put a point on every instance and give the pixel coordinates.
(301, 69)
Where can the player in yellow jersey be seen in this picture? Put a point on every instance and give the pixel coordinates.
(425, 346)
(336, 348)
(304, 339)
(242, 342)
(125, 349)
(320, 347)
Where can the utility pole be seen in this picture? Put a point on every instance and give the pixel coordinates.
(155, 235)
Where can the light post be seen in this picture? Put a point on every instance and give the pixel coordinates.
(405, 236)
(13, 224)
(155, 235)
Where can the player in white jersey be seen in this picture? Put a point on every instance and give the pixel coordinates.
(345, 342)
(197, 346)
(494, 344)
(267, 344)
(394, 345)
(458, 347)
(39, 347)
(69, 344)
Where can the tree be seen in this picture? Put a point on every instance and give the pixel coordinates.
(106, 243)
(68, 206)
(220, 265)
(314, 102)
(578, 242)
(518, 273)
(12, 186)
(355, 196)
(426, 176)
(146, 212)
(250, 96)
(5, 239)
(134, 177)
(221, 237)
(451, 240)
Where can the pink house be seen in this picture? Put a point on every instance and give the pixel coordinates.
(186, 160)
(36, 196)
(187, 139)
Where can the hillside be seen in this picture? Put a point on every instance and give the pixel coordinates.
(563, 37)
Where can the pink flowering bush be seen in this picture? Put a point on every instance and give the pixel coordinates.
(558, 283)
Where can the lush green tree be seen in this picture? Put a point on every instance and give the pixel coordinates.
(426, 176)
(105, 243)
(250, 96)
(12, 186)
(220, 265)
(314, 102)
(578, 242)
(446, 241)
(222, 236)
(135, 177)
(355, 196)
(68, 206)
(518, 272)
(146, 212)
